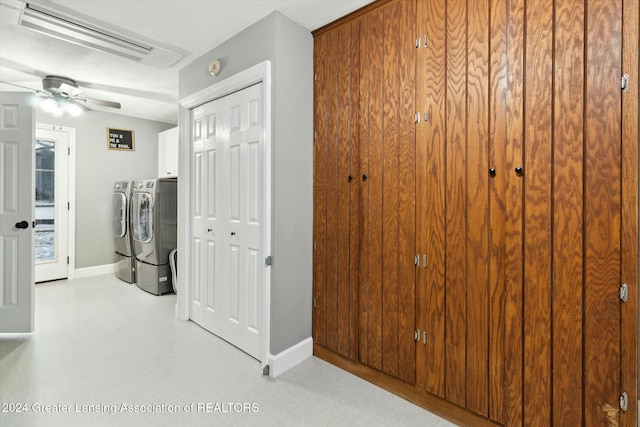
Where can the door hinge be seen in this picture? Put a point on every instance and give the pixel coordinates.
(268, 260)
(624, 292)
(68, 206)
(624, 85)
(67, 260)
(624, 402)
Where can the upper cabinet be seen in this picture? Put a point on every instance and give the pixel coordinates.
(168, 153)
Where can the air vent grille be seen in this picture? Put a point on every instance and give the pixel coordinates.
(73, 30)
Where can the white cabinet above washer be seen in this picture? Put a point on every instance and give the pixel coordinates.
(168, 153)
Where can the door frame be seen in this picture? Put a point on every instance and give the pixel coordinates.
(71, 190)
(256, 74)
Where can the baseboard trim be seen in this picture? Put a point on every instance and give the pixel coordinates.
(97, 270)
(290, 357)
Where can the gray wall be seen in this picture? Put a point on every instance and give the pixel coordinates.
(289, 47)
(96, 170)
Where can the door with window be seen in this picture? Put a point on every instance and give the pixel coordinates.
(51, 204)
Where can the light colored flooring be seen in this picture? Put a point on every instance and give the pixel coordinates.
(101, 342)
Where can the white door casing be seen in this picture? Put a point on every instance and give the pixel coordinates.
(227, 221)
(17, 124)
(57, 268)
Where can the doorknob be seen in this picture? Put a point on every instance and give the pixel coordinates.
(233, 233)
(22, 224)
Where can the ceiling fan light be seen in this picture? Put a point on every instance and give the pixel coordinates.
(73, 109)
(49, 105)
(57, 112)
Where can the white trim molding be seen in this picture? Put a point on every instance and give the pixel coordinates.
(96, 270)
(256, 74)
(287, 359)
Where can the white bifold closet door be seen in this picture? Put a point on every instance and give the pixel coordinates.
(228, 179)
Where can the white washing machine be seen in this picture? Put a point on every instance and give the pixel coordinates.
(122, 240)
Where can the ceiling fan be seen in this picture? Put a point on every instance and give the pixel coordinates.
(63, 94)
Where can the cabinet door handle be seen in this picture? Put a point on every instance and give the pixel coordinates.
(364, 177)
(350, 178)
(519, 170)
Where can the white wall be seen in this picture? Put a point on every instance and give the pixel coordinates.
(97, 168)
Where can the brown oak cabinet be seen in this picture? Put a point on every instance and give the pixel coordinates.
(475, 206)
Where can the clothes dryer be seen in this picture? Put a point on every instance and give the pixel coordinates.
(122, 241)
(154, 218)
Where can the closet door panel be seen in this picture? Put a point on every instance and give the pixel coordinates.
(336, 203)
(407, 193)
(430, 196)
(387, 145)
(513, 247)
(346, 82)
(372, 141)
(537, 220)
(497, 215)
(355, 189)
(456, 210)
(333, 190)
(602, 209)
(568, 202)
(478, 334)
(390, 196)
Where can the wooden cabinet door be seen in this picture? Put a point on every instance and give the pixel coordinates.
(387, 153)
(336, 190)
(519, 208)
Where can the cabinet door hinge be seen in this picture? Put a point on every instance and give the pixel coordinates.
(624, 402)
(624, 84)
(268, 260)
(67, 260)
(624, 292)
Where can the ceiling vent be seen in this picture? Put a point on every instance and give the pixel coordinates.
(70, 29)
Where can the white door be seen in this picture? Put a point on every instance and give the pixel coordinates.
(52, 204)
(229, 210)
(17, 121)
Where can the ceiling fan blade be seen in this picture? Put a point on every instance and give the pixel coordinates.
(101, 102)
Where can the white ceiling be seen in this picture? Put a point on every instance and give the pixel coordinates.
(195, 26)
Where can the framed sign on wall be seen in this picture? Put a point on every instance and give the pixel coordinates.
(120, 139)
